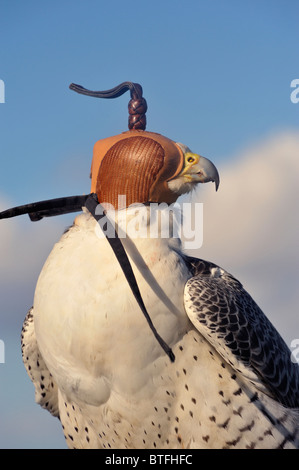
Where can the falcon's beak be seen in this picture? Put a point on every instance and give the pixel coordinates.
(202, 171)
(205, 171)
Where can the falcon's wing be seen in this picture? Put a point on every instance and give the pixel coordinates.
(226, 315)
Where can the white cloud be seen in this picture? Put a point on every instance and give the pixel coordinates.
(24, 245)
(251, 226)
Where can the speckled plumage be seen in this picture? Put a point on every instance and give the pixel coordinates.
(46, 392)
(232, 384)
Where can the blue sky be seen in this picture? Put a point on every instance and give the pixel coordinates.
(216, 76)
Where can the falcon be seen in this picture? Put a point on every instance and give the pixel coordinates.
(202, 368)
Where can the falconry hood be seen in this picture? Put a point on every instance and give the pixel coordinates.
(136, 164)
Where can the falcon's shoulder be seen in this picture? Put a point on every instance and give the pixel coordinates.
(227, 316)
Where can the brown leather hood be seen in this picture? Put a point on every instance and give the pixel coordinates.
(136, 164)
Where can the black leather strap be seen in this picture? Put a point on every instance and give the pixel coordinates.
(120, 253)
(137, 105)
(48, 208)
(135, 89)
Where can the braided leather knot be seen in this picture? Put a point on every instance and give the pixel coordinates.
(137, 109)
(137, 104)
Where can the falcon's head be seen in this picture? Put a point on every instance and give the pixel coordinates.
(196, 169)
(146, 167)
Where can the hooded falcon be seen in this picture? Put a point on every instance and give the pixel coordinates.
(223, 377)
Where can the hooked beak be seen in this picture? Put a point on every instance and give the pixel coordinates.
(206, 171)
